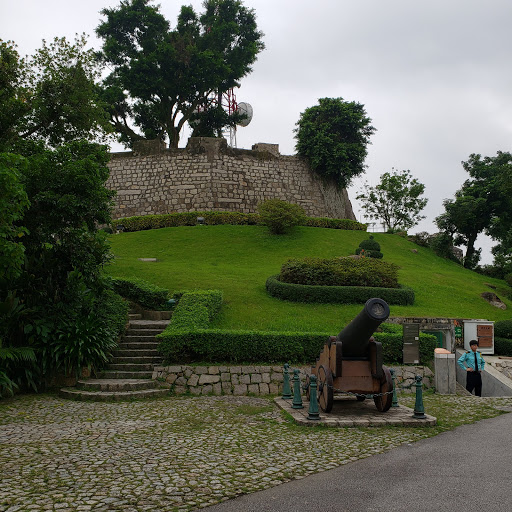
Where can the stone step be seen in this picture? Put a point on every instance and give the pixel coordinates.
(149, 324)
(143, 359)
(129, 339)
(142, 332)
(136, 352)
(112, 396)
(115, 384)
(130, 367)
(136, 345)
(125, 374)
(134, 316)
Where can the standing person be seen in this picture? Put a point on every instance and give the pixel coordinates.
(473, 362)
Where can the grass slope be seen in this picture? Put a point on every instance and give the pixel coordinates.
(238, 260)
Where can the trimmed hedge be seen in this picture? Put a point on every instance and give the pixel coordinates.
(503, 329)
(340, 272)
(147, 295)
(195, 310)
(143, 222)
(402, 296)
(503, 346)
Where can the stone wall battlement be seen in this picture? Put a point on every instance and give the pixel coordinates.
(208, 175)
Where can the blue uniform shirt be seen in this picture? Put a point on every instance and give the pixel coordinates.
(468, 360)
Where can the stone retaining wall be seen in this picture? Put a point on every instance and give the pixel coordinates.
(256, 380)
(208, 175)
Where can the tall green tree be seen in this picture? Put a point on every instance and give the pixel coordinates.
(333, 136)
(482, 205)
(51, 96)
(396, 200)
(161, 75)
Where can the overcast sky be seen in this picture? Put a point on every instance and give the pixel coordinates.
(435, 77)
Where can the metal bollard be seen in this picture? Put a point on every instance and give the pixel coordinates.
(313, 412)
(297, 397)
(419, 411)
(394, 402)
(287, 392)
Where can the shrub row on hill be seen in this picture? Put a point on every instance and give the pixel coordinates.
(340, 272)
(142, 293)
(188, 339)
(403, 296)
(144, 222)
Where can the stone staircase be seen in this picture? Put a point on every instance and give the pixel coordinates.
(128, 375)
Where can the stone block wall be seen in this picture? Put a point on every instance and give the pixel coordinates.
(257, 380)
(208, 175)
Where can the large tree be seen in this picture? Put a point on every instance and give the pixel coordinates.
(482, 205)
(333, 136)
(161, 76)
(396, 200)
(50, 96)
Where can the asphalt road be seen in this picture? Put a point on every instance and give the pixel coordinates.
(469, 468)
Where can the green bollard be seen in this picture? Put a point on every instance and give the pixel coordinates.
(297, 398)
(394, 403)
(313, 412)
(287, 392)
(419, 411)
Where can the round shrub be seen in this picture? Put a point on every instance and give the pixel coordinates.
(369, 248)
(279, 216)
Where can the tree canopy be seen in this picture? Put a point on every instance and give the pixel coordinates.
(482, 205)
(333, 136)
(396, 200)
(161, 75)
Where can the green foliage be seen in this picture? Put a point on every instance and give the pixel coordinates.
(340, 272)
(145, 294)
(280, 216)
(393, 341)
(503, 346)
(144, 222)
(161, 75)
(195, 310)
(11, 358)
(369, 249)
(337, 294)
(51, 96)
(396, 200)
(333, 136)
(503, 329)
(13, 203)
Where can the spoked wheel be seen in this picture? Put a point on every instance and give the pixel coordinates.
(307, 388)
(325, 389)
(383, 403)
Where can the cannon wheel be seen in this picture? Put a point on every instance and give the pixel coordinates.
(325, 389)
(383, 403)
(306, 387)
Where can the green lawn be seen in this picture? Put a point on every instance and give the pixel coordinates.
(238, 260)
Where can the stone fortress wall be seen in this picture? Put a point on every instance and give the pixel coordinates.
(207, 175)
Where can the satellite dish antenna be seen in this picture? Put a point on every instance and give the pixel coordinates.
(245, 108)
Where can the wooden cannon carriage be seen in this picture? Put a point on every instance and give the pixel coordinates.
(351, 362)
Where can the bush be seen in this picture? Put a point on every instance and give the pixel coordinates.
(369, 248)
(502, 346)
(195, 310)
(508, 279)
(279, 216)
(337, 294)
(145, 294)
(340, 272)
(325, 222)
(503, 329)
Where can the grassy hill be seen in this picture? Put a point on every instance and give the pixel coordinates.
(238, 260)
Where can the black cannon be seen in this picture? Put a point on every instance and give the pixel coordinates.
(352, 361)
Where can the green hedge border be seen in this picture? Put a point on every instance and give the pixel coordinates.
(144, 222)
(403, 296)
(145, 294)
(502, 346)
(187, 338)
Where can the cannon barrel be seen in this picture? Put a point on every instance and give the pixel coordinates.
(356, 335)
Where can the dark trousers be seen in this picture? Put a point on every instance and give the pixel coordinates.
(474, 381)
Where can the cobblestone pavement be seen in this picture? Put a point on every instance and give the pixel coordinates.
(173, 454)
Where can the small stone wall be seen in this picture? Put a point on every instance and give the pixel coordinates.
(257, 380)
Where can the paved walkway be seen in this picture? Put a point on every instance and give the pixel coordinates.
(466, 469)
(181, 454)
